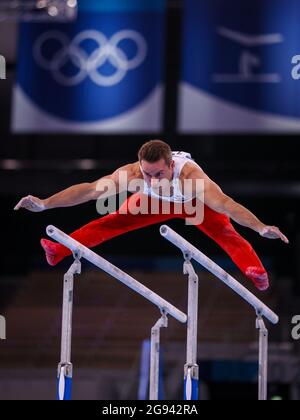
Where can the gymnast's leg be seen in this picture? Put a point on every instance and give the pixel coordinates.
(219, 228)
(107, 227)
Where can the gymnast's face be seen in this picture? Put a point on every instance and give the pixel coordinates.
(157, 171)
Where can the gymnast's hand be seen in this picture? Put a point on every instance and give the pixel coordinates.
(272, 232)
(31, 203)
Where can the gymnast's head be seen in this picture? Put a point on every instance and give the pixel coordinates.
(156, 161)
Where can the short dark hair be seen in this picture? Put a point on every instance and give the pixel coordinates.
(154, 150)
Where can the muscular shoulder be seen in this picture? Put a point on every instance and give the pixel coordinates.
(132, 170)
(135, 170)
(192, 170)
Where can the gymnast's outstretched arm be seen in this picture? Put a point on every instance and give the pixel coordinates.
(81, 193)
(215, 198)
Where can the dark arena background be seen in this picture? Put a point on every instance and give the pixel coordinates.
(84, 84)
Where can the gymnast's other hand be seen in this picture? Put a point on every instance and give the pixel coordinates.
(31, 203)
(272, 232)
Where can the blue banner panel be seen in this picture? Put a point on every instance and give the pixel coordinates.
(238, 73)
(102, 74)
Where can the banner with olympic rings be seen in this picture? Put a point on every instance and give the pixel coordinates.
(237, 67)
(100, 74)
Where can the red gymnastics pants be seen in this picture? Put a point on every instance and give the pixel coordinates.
(215, 225)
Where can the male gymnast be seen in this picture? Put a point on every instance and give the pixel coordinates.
(158, 165)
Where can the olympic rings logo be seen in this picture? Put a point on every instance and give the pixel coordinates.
(89, 65)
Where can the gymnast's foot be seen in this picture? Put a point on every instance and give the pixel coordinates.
(259, 277)
(54, 252)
